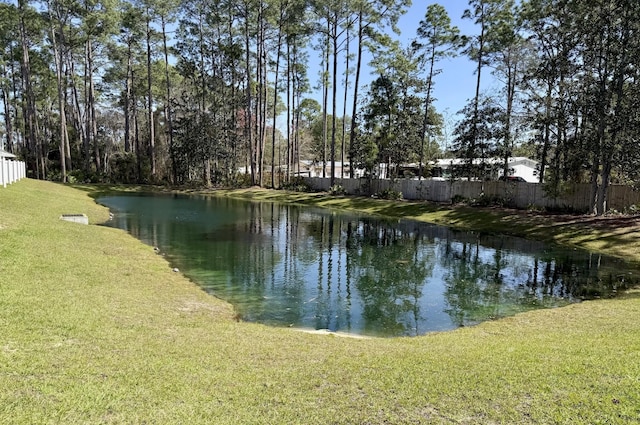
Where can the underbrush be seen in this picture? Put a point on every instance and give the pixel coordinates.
(389, 194)
(297, 184)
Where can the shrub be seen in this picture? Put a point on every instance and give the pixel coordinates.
(297, 184)
(242, 180)
(337, 190)
(80, 176)
(535, 208)
(488, 201)
(458, 199)
(633, 209)
(390, 194)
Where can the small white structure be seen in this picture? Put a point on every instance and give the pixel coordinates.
(75, 218)
(11, 170)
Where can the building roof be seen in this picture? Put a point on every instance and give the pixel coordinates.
(444, 163)
(4, 154)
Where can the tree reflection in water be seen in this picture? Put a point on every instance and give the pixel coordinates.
(291, 266)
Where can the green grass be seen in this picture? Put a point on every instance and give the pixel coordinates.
(96, 328)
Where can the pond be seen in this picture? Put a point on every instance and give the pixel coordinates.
(304, 267)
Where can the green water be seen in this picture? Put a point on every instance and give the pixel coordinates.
(285, 265)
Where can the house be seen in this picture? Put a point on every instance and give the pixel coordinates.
(314, 169)
(519, 166)
(309, 168)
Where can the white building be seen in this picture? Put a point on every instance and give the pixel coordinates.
(519, 166)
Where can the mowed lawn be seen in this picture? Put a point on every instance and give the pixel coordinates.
(96, 328)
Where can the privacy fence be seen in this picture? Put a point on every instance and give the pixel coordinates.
(11, 171)
(514, 194)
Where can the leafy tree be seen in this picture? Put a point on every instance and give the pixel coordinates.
(587, 84)
(489, 16)
(391, 116)
(508, 55)
(9, 65)
(549, 82)
(476, 137)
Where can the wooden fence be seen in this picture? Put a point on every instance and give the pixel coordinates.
(514, 194)
(11, 171)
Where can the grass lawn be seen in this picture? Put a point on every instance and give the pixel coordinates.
(96, 328)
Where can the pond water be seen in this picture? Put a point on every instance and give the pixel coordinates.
(286, 265)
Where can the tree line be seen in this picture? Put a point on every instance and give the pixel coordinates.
(188, 91)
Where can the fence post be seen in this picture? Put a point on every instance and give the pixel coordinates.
(3, 172)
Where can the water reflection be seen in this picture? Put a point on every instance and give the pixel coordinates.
(291, 266)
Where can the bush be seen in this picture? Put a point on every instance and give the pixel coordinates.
(337, 190)
(633, 209)
(242, 180)
(297, 184)
(489, 201)
(125, 168)
(80, 176)
(390, 194)
(458, 199)
(54, 176)
(535, 208)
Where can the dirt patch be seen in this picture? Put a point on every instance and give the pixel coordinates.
(192, 307)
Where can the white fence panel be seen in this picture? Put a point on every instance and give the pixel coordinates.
(11, 171)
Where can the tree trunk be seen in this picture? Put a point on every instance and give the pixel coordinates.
(275, 98)
(344, 104)
(167, 106)
(30, 108)
(547, 133)
(152, 137)
(248, 107)
(427, 105)
(87, 109)
(8, 123)
(57, 56)
(354, 120)
(476, 99)
(325, 96)
(334, 100)
(265, 102)
(511, 90)
(127, 100)
(289, 103)
(93, 121)
(78, 123)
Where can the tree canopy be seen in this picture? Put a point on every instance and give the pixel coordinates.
(224, 92)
